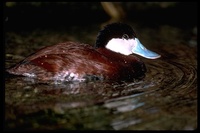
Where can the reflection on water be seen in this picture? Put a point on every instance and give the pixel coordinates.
(165, 99)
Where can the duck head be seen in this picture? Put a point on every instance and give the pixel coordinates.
(121, 38)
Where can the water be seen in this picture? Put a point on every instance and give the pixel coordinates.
(166, 99)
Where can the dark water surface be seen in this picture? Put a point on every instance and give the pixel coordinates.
(166, 99)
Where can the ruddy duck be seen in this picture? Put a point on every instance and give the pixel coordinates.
(109, 59)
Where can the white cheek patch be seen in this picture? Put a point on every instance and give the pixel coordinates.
(122, 46)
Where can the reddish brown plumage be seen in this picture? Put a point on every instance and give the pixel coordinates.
(58, 61)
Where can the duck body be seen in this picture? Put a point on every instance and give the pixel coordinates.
(71, 61)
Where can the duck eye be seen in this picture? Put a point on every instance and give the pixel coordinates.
(125, 36)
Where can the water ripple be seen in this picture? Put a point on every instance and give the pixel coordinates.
(169, 88)
(168, 93)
